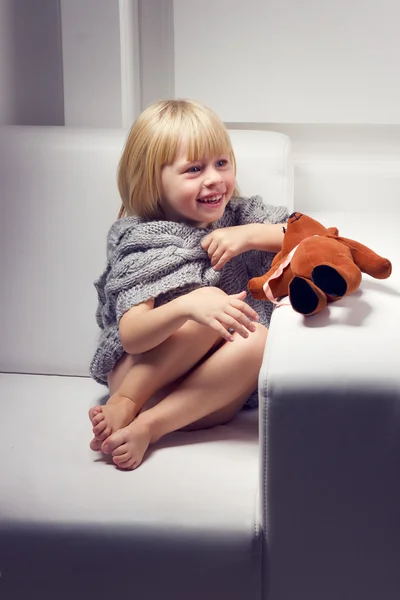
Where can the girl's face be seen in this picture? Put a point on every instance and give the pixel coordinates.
(197, 192)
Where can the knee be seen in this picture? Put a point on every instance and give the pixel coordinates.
(259, 335)
(260, 338)
(261, 331)
(254, 345)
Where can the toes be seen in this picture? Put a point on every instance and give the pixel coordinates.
(114, 441)
(125, 457)
(98, 418)
(122, 457)
(95, 410)
(129, 464)
(103, 435)
(99, 428)
(95, 445)
(123, 449)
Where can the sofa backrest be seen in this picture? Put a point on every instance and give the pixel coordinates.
(58, 199)
(347, 182)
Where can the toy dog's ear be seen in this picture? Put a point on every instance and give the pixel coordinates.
(367, 260)
(333, 231)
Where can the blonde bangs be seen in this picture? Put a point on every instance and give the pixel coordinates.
(198, 128)
(206, 139)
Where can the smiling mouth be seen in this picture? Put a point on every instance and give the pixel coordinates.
(211, 199)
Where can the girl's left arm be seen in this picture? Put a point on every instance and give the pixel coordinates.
(223, 244)
(266, 237)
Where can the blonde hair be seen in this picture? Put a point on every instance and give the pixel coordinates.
(153, 142)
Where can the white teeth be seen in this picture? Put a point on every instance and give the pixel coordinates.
(212, 200)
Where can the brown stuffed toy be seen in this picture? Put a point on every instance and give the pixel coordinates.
(316, 266)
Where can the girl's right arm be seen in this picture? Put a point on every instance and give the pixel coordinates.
(144, 327)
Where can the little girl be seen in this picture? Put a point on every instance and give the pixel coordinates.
(175, 316)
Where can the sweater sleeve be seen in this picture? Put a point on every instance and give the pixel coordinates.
(150, 261)
(254, 210)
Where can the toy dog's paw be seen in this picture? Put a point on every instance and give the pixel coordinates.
(330, 281)
(305, 297)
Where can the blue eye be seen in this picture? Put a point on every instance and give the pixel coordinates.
(194, 170)
(222, 163)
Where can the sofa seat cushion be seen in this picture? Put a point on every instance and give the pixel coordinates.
(186, 521)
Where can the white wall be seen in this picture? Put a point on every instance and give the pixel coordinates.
(273, 64)
(157, 61)
(285, 61)
(117, 57)
(91, 62)
(325, 73)
(31, 86)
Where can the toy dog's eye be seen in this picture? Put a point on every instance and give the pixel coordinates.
(284, 229)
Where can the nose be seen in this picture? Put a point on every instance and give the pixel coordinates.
(212, 177)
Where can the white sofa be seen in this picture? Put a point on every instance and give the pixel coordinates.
(309, 511)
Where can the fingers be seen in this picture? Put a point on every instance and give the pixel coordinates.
(223, 331)
(233, 325)
(212, 248)
(218, 257)
(246, 309)
(219, 260)
(206, 241)
(217, 253)
(226, 314)
(227, 325)
(233, 320)
(245, 324)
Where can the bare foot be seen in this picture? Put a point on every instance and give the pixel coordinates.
(128, 446)
(117, 413)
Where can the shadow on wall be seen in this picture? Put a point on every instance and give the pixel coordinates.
(34, 70)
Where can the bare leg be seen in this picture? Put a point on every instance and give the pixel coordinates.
(211, 394)
(137, 378)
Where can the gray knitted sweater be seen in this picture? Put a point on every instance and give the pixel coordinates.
(163, 260)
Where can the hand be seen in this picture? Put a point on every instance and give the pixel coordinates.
(223, 244)
(212, 307)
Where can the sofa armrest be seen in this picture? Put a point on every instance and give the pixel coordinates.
(330, 443)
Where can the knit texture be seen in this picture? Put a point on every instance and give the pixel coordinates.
(163, 260)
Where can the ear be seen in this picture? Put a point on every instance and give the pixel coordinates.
(367, 260)
(333, 231)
